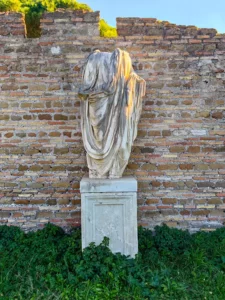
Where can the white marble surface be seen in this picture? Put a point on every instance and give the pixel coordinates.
(96, 185)
(111, 94)
(111, 214)
(199, 132)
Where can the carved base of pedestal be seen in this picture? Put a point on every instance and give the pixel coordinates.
(109, 208)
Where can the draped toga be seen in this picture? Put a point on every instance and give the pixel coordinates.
(111, 104)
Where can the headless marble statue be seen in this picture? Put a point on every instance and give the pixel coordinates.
(111, 95)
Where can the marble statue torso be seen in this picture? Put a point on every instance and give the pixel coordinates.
(111, 95)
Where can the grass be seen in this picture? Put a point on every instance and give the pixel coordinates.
(171, 264)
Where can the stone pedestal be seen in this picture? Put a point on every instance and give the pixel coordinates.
(109, 208)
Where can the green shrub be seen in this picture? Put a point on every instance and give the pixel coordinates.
(171, 241)
(33, 12)
(10, 5)
(106, 30)
(34, 9)
(171, 264)
(71, 4)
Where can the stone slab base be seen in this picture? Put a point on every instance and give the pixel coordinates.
(109, 208)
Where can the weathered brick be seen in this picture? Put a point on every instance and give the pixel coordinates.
(58, 168)
(169, 184)
(22, 201)
(133, 166)
(214, 201)
(35, 168)
(4, 214)
(148, 167)
(61, 150)
(147, 150)
(44, 117)
(60, 117)
(54, 134)
(63, 201)
(169, 200)
(175, 149)
(61, 184)
(156, 183)
(206, 184)
(152, 201)
(201, 167)
(9, 135)
(215, 166)
(194, 149)
(217, 115)
(167, 167)
(202, 212)
(44, 214)
(23, 168)
(202, 114)
(154, 133)
(166, 133)
(186, 166)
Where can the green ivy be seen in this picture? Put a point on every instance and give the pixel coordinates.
(171, 264)
(33, 10)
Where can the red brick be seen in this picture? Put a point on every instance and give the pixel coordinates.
(167, 167)
(44, 117)
(186, 167)
(194, 149)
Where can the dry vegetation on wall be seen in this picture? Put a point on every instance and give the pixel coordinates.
(34, 9)
(179, 155)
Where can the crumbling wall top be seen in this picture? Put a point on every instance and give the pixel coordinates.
(164, 29)
(70, 22)
(12, 24)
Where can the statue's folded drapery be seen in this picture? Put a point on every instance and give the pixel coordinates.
(112, 100)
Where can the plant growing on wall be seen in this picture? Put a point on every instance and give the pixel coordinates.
(10, 5)
(106, 30)
(33, 10)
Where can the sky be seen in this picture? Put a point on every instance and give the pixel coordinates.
(201, 13)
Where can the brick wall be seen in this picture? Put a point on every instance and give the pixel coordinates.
(178, 157)
(12, 24)
(70, 23)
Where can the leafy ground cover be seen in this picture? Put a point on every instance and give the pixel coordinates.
(33, 10)
(171, 264)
